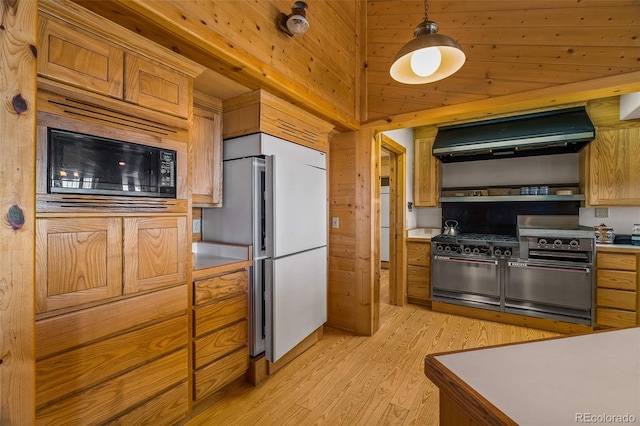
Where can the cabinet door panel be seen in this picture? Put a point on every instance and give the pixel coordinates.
(155, 249)
(155, 86)
(206, 155)
(418, 282)
(426, 178)
(614, 176)
(76, 58)
(77, 261)
(419, 253)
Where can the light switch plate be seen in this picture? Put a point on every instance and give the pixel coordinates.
(335, 222)
(196, 226)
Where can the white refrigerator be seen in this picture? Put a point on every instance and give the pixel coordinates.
(275, 198)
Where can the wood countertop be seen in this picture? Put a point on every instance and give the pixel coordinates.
(559, 381)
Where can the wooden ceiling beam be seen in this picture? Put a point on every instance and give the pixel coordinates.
(547, 97)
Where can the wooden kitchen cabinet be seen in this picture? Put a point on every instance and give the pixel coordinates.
(419, 272)
(260, 111)
(73, 56)
(154, 252)
(617, 284)
(426, 170)
(610, 175)
(155, 86)
(94, 54)
(205, 150)
(220, 331)
(82, 260)
(124, 361)
(78, 260)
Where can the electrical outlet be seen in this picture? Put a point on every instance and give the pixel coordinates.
(335, 222)
(196, 226)
(602, 212)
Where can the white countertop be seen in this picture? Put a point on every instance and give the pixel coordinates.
(426, 233)
(551, 382)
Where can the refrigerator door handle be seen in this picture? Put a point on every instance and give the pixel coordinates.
(268, 196)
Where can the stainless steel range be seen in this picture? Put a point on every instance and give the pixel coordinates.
(468, 269)
(545, 272)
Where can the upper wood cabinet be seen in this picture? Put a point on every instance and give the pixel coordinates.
(91, 53)
(260, 111)
(152, 85)
(610, 175)
(77, 261)
(73, 56)
(426, 170)
(205, 151)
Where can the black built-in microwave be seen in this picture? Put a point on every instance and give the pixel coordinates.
(85, 164)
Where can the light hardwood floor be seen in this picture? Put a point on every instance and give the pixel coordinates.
(354, 380)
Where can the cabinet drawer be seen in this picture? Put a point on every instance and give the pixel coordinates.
(418, 282)
(118, 394)
(419, 253)
(622, 280)
(220, 373)
(615, 317)
(77, 58)
(216, 345)
(624, 262)
(616, 299)
(220, 286)
(219, 314)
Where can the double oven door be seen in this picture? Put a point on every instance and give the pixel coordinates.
(466, 281)
(561, 291)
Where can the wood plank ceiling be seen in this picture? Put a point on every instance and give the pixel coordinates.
(512, 46)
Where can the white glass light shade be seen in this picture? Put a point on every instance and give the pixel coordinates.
(297, 24)
(452, 59)
(425, 62)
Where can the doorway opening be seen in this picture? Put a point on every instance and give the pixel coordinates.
(393, 215)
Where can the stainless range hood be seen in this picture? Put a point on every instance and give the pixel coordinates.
(550, 132)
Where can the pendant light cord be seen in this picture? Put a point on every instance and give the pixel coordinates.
(426, 10)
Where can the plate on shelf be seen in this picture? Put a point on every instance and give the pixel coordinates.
(564, 192)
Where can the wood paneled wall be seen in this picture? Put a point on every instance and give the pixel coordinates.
(318, 71)
(17, 205)
(354, 254)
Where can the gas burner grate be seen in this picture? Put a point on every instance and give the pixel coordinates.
(491, 238)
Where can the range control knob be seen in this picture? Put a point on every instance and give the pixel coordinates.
(447, 248)
(574, 243)
(467, 249)
(497, 251)
(542, 242)
(439, 248)
(557, 243)
(476, 250)
(507, 252)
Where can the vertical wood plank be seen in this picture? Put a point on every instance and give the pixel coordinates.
(17, 210)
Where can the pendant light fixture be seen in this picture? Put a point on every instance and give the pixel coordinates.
(428, 57)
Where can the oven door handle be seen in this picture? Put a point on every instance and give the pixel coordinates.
(448, 259)
(553, 268)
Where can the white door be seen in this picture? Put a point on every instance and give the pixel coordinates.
(296, 299)
(297, 220)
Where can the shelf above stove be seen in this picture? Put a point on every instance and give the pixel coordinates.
(511, 198)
